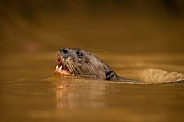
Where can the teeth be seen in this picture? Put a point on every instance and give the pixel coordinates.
(59, 67)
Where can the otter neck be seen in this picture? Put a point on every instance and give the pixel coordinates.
(112, 76)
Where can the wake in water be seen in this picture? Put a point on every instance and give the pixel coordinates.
(146, 76)
(160, 76)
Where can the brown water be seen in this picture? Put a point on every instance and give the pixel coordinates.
(139, 40)
(30, 91)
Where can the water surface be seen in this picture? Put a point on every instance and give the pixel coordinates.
(29, 90)
(139, 40)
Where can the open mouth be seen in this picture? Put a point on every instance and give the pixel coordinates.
(61, 68)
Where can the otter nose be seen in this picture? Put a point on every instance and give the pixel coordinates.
(65, 52)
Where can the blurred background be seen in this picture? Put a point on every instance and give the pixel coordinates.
(124, 26)
(144, 39)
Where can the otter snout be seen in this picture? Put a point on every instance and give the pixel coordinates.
(65, 52)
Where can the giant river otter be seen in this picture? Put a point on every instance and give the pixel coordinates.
(77, 62)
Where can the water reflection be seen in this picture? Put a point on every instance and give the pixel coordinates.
(23, 89)
(80, 93)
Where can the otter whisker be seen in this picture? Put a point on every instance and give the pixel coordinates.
(78, 70)
(83, 63)
(74, 68)
(93, 50)
(99, 50)
(70, 67)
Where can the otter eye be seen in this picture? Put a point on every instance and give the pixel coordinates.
(79, 54)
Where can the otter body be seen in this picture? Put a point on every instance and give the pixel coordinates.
(82, 63)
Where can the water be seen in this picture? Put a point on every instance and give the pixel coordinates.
(138, 40)
(29, 90)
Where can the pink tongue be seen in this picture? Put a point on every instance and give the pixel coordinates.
(61, 72)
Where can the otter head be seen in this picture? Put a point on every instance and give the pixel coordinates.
(77, 62)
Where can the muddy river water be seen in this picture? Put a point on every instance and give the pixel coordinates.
(138, 40)
(29, 90)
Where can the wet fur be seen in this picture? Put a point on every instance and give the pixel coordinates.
(85, 64)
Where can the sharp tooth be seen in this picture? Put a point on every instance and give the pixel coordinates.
(60, 67)
(57, 67)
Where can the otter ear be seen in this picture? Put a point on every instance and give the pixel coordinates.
(110, 75)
